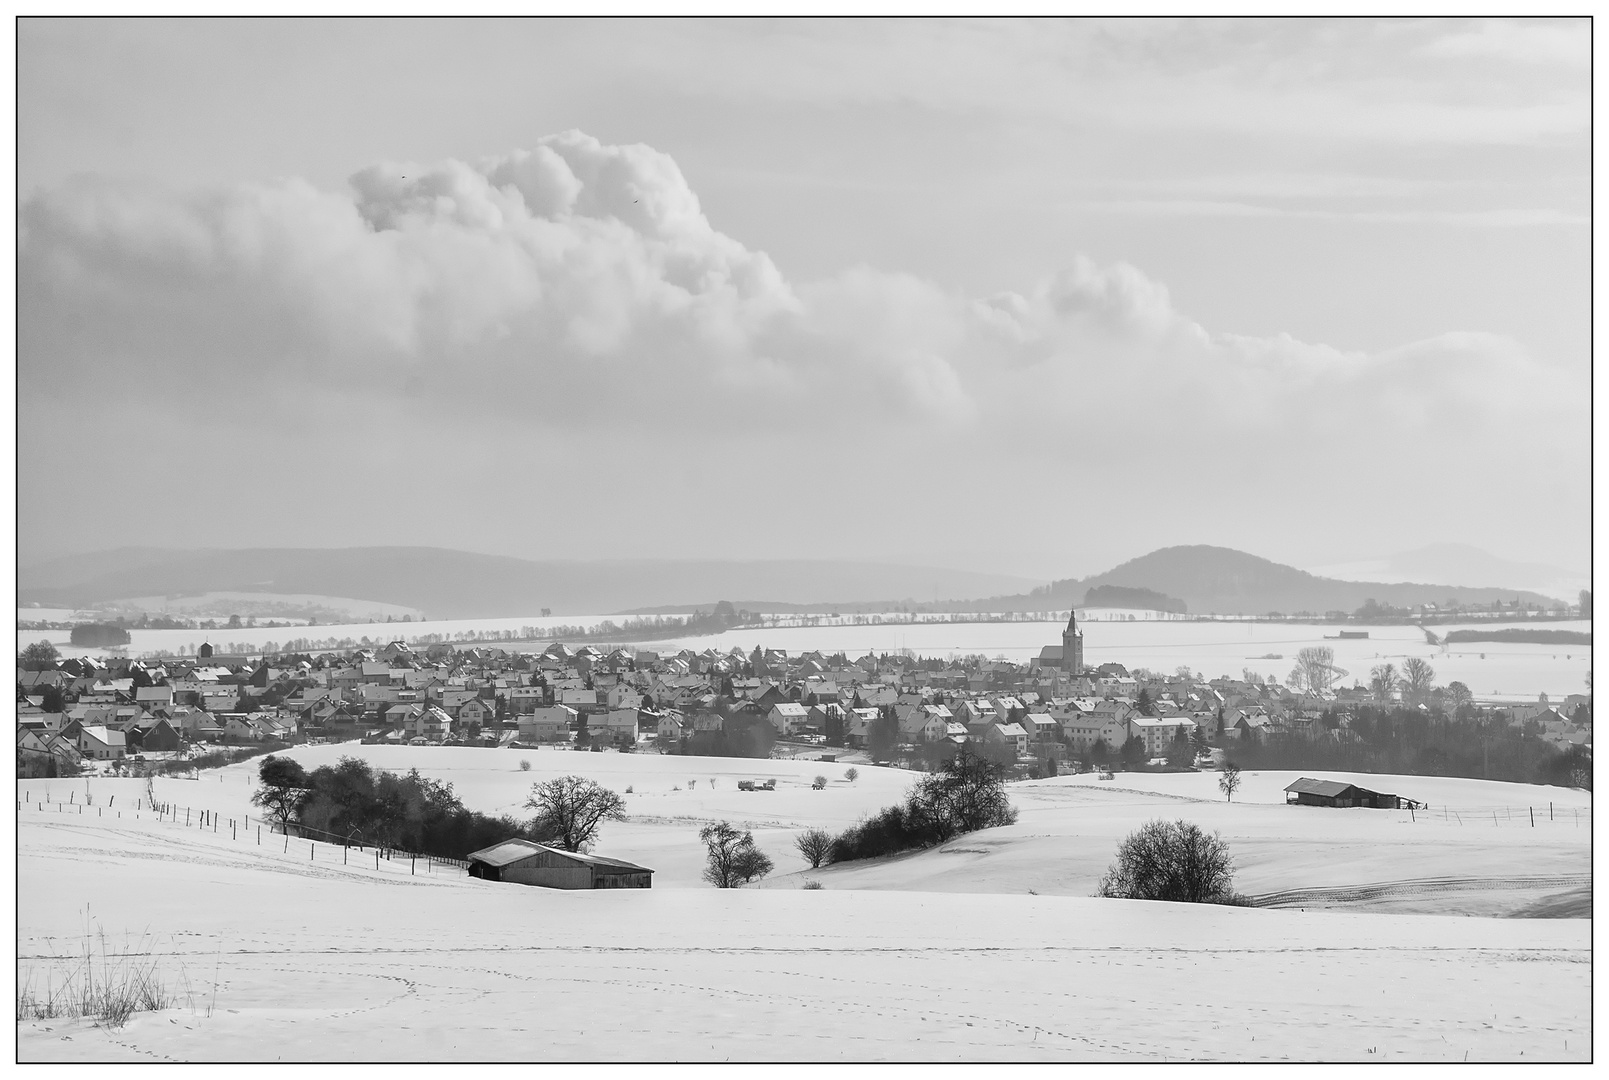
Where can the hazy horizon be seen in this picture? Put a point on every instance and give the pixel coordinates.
(1029, 299)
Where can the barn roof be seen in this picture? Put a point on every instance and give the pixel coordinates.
(1318, 787)
(512, 851)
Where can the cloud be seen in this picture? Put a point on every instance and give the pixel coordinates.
(1513, 218)
(575, 297)
(1554, 42)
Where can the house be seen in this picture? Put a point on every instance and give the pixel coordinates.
(622, 696)
(1157, 733)
(858, 725)
(926, 723)
(477, 710)
(1011, 735)
(551, 723)
(788, 717)
(156, 735)
(403, 715)
(618, 726)
(673, 726)
(152, 696)
(101, 743)
(432, 724)
(525, 863)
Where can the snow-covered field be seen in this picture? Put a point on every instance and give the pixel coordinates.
(280, 949)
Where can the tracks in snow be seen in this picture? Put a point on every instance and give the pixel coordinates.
(1412, 888)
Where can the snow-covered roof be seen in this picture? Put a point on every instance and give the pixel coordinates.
(512, 851)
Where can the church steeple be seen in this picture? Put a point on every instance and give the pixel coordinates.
(1072, 646)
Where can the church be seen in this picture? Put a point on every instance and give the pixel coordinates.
(1069, 655)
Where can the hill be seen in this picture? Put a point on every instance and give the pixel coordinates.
(1223, 581)
(449, 584)
(335, 955)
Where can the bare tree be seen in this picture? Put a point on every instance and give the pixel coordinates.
(1417, 675)
(1171, 861)
(1458, 695)
(1383, 681)
(571, 809)
(1229, 781)
(851, 774)
(1315, 670)
(733, 858)
(815, 845)
(968, 793)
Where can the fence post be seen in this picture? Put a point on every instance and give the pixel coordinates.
(259, 836)
(411, 860)
(1550, 811)
(1533, 816)
(310, 852)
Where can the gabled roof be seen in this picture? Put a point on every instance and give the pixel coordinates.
(512, 851)
(1310, 786)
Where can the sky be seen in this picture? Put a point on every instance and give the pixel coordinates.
(1021, 297)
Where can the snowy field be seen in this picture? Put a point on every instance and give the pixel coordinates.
(278, 947)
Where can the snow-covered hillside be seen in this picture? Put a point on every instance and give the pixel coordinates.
(272, 953)
(942, 955)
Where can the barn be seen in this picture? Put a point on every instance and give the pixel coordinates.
(527, 863)
(1310, 792)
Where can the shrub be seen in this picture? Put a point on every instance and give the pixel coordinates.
(733, 858)
(811, 885)
(525, 766)
(1171, 861)
(629, 789)
(815, 845)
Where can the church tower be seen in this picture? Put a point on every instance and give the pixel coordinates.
(1072, 646)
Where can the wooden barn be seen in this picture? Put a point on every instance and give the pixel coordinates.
(1310, 792)
(527, 863)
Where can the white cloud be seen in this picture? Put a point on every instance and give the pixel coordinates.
(1553, 42)
(579, 288)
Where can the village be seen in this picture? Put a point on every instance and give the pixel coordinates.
(1050, 715)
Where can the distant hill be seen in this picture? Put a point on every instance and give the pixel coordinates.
(1223, 581)
(1136, 599)
(457, 584)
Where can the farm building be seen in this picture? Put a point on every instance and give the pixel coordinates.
(1310, 792)
(528, 863)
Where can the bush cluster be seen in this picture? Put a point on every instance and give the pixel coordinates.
(966, 794)
(1172, 860)
(405, 812)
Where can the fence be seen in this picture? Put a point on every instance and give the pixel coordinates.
(242, 829)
